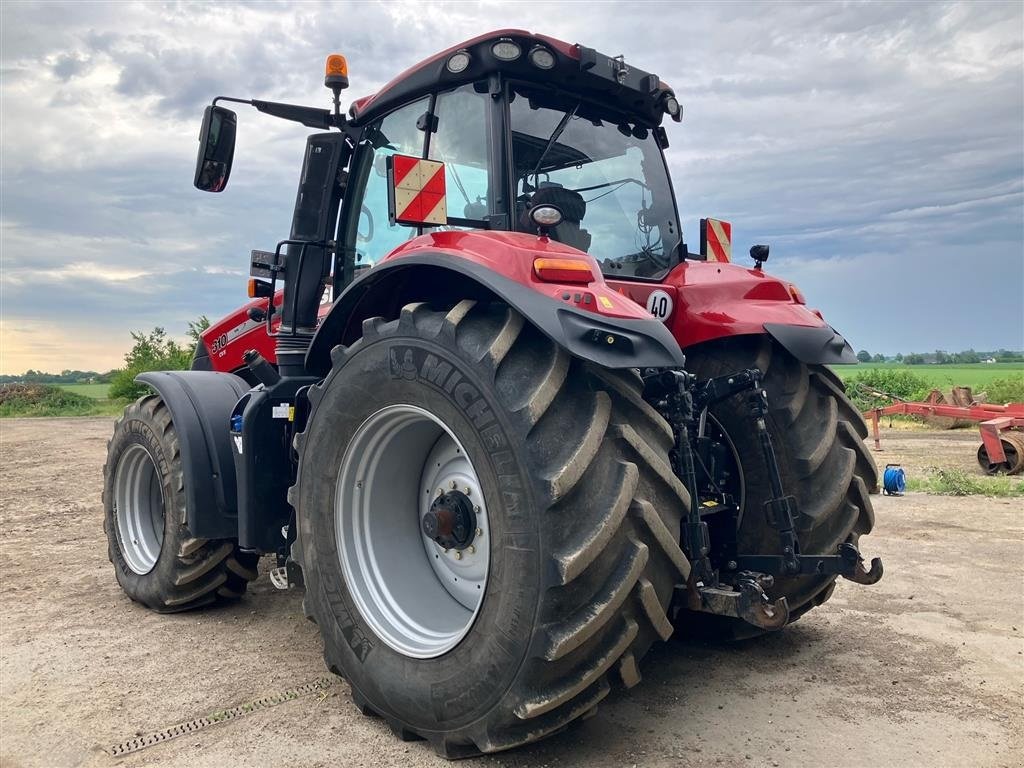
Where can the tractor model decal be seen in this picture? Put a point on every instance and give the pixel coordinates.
(416, 191)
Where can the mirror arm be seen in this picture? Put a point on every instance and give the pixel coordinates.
(312, 117)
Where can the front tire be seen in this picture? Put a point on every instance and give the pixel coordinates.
(582, 516)
(157, 561)
(818, 436)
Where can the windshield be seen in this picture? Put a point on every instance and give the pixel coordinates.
(609, 181)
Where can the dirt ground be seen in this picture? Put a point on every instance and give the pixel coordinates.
(923, 669)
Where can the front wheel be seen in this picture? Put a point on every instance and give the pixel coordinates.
(487, 527)
(818, 436)
(157, 561)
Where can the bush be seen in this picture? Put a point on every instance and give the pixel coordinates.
(893, 383)
(153, 351)
(43, 400)
(1002, 391)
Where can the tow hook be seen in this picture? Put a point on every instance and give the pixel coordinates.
(855, 570)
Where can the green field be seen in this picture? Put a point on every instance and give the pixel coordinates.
(95, 391)
(976, 376)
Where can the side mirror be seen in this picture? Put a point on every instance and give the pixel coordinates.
(216, 149)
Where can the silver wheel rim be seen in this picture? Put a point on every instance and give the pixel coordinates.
(418, 597)
(139, 509)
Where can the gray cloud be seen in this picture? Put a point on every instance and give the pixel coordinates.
(877, 146)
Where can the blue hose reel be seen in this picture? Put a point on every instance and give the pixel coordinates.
(894, 480)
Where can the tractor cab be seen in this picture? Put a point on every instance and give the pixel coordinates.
(520, 121)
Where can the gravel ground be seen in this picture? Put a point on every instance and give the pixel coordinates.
(925, 668)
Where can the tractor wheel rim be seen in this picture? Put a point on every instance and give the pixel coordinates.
(139, 509)
(419, 597)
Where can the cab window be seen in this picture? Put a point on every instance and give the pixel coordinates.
(395, 134)
(461, 144)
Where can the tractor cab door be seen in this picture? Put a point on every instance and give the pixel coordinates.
(449, 127)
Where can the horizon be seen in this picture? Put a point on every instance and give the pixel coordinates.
(879, 150)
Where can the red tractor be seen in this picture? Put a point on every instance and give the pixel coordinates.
(498, 421)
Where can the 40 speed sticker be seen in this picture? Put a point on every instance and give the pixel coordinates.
(659, 304)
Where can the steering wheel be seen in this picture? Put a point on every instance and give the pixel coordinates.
(360, 237)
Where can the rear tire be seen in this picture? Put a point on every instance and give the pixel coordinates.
(157, 561)
(818, 435)
(582, 512)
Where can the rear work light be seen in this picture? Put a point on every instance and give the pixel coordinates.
(542, 58)
(563, 270)
(506, 50)
(458, 62)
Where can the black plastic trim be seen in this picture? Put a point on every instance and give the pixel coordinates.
(813, 345)
(636, 343)
(200, 403)
(201, 358)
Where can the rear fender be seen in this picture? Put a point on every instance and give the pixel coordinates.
(200, 403)
(714, 300)
(813, 345)
(451, 270)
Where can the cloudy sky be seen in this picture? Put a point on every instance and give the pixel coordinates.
(878, 147)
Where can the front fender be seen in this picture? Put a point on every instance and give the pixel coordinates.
(625, 339)
(200, 403)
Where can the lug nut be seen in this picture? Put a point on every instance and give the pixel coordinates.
(478, 531)
(452, 485)
(458, 555)
(471, 549)
(468, 490)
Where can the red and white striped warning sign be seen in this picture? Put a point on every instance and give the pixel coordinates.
(716, 239)
(416, 191)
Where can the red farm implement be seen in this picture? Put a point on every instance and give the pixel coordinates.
(1002, 438)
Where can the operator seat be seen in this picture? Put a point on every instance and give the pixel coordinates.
(573, 208)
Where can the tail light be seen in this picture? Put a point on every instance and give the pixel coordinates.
(563, 270)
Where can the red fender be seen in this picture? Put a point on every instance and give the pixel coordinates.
(713, 300)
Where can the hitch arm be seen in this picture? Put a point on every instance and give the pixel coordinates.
(848, 563)
(747, 601)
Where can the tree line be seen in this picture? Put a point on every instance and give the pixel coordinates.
(941, 357)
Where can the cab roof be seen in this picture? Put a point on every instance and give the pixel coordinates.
(577, 69)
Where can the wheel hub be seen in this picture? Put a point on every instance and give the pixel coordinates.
(450, 521)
